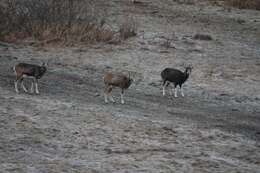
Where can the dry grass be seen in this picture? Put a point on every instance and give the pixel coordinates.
(63, 21)
(128, 28)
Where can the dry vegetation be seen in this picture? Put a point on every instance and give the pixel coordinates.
(128, 28)
(71, 21)
(65, 21)
(242, 4)
(248, 4)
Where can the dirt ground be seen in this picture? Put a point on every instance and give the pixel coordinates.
(69, 128)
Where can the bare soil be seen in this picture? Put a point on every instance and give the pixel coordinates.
(69, 128)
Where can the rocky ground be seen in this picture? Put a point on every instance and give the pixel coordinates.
(69, 128)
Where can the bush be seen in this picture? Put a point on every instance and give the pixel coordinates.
(66, 21)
